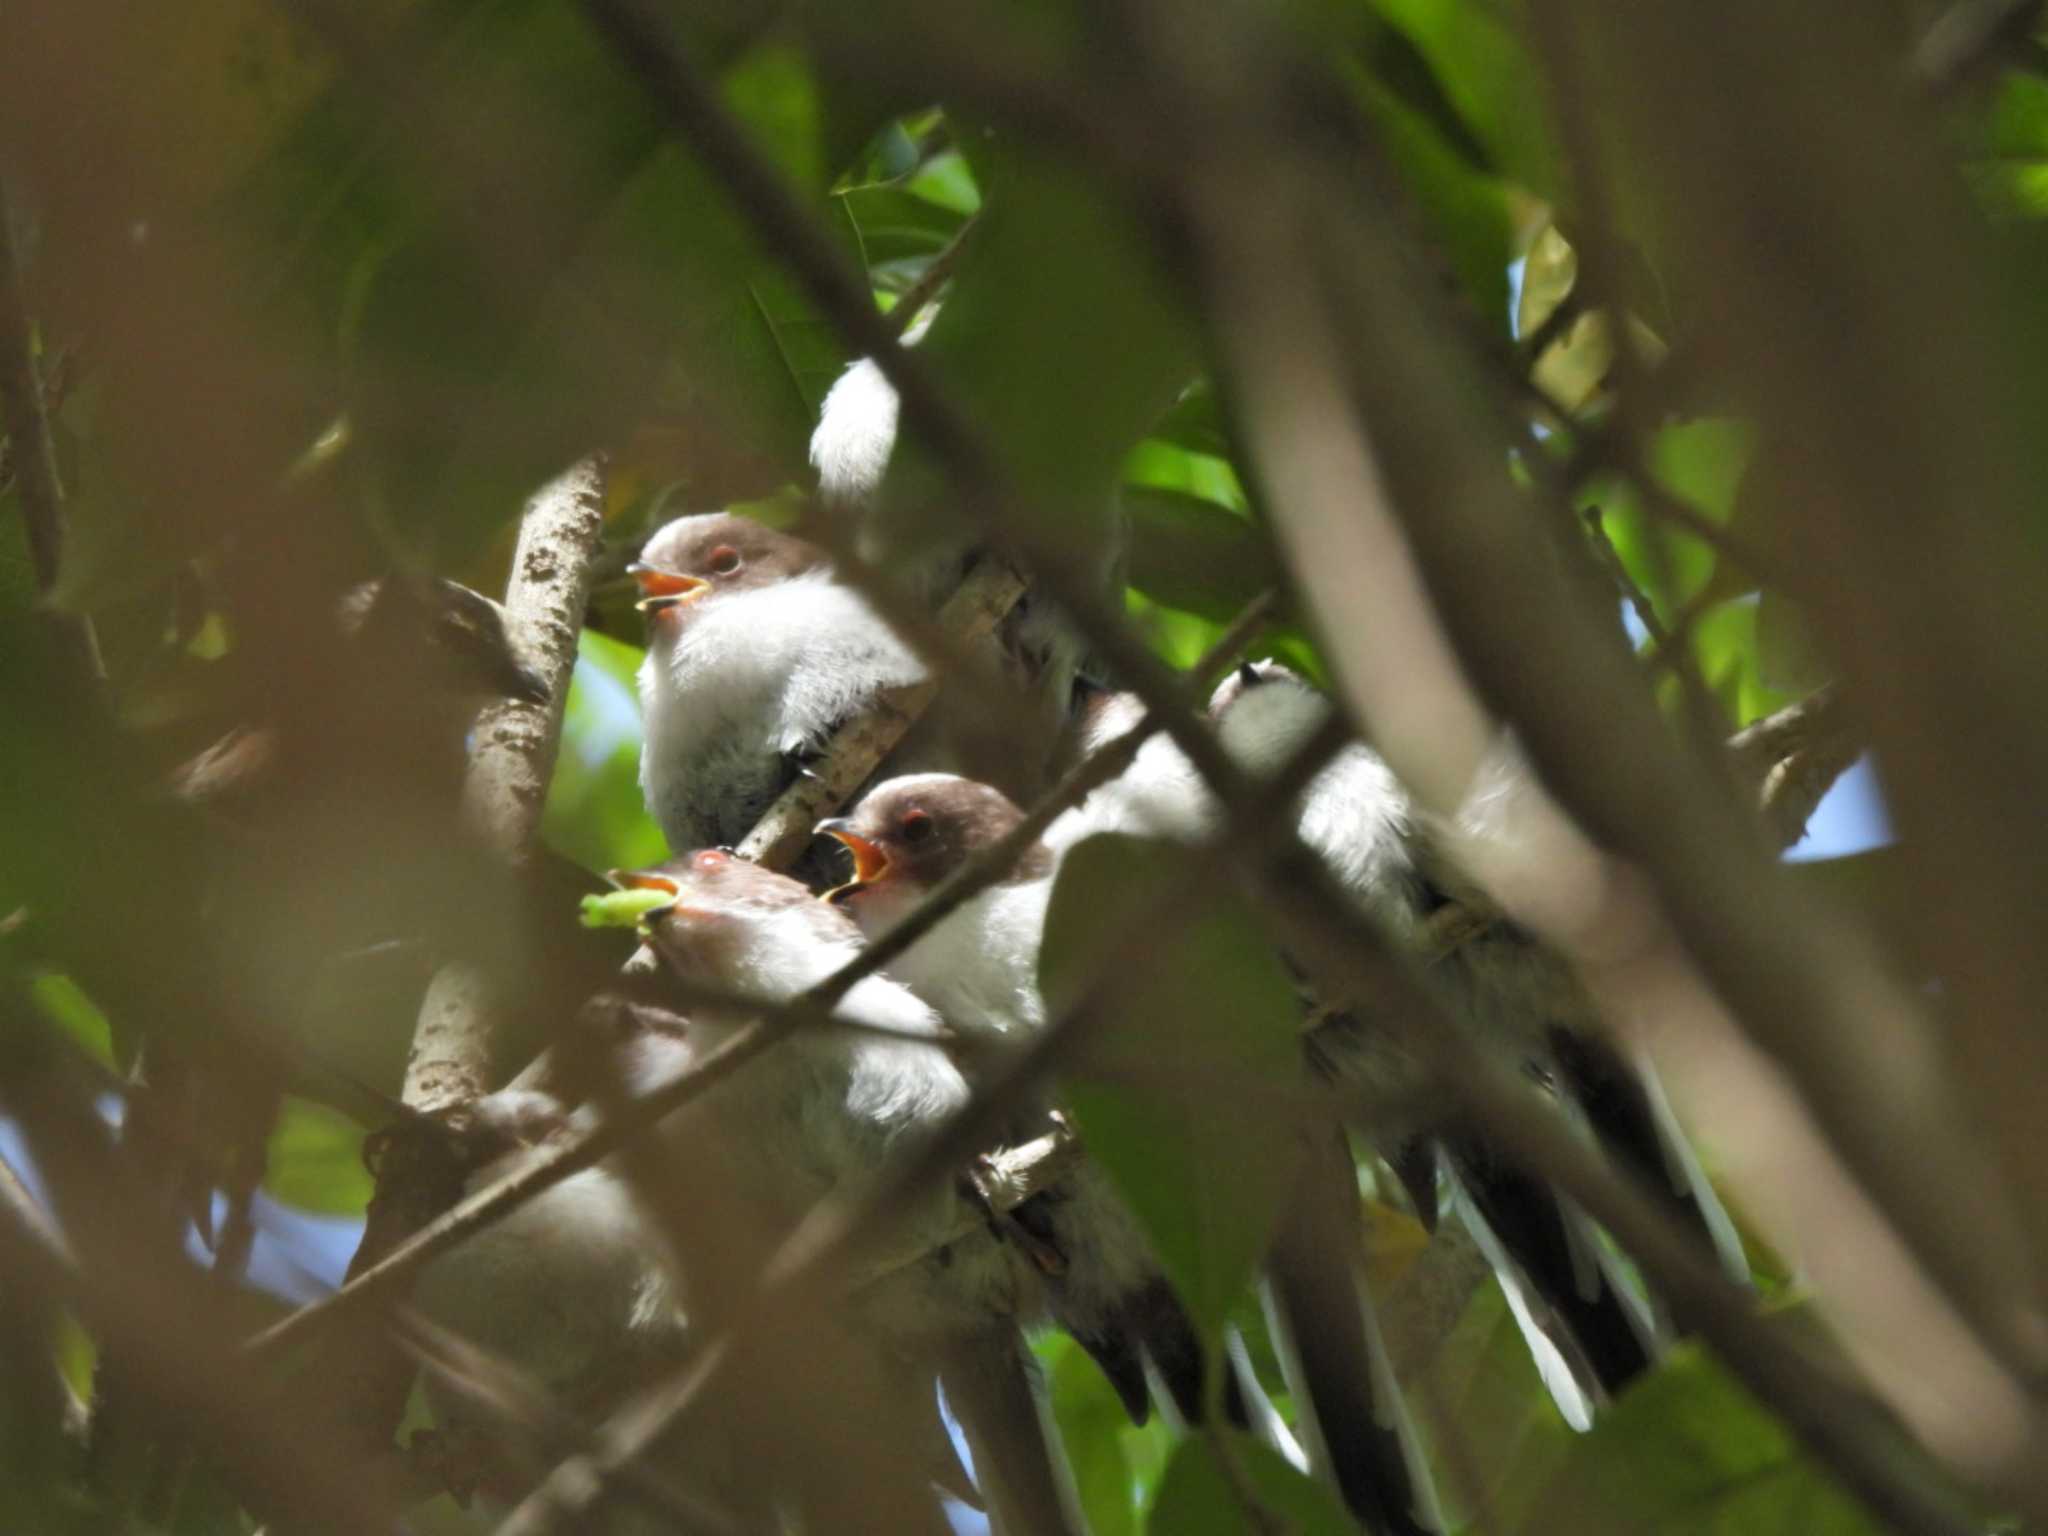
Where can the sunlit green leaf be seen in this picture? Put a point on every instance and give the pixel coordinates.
(63, 1001)
(1471, 214)
(1551, 268)
(315, 1160)
(1192, 554)
(1200, 1498)
(1687, 1452)
(1483, 68)
(1092, 1422)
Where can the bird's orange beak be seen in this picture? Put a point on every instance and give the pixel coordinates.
(870, 863)
(661, 590)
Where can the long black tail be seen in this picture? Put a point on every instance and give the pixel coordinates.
(1352, 1419)
(1555, 1256)
(1621, 1104)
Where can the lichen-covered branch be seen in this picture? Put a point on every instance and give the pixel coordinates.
(516, 742)
(503, 791)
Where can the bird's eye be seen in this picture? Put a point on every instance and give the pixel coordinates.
(917, 826)
(712, 858)
(724, 560)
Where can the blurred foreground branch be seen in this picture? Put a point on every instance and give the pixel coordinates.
(25, 420)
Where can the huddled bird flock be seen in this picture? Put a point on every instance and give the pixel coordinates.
(757, 652)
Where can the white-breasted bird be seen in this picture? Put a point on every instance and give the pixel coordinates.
(820, 1115)
(979, 969)
(1592, 1331)
(756, 652)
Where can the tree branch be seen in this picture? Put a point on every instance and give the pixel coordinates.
(506, 785)
(502, 795)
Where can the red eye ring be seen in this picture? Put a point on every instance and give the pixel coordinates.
(917, 825)
(711, 858)
(723, 560)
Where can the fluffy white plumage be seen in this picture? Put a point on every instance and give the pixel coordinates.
(855, 434)
(566, 1286)
(756, 675)
(1354, 813)
(979, 969)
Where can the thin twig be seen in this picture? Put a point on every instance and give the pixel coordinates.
(1609, 560)
(932, 278)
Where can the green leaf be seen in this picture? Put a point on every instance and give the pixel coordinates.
(1481, 1389)
(477, 348)
(1194, 423)
(1484, 70)
(1548, 275)
(896, 225)
(63, 1001)
(1185, 1030)
(1199, 1498)
(1469, 212)
(1725, 646)
(1687, 1451)
(1703, 463)
(1092, 1422)
(1178, 637)
(771, 89)
(1192, 554)
(1062, 340)
(315, 1160)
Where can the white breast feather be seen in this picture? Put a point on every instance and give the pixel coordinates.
(756, 675)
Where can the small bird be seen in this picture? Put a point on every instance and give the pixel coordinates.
(756, 652)
(979, 969)
(1524, 1002)
(819, 1115)
(570, 1288)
